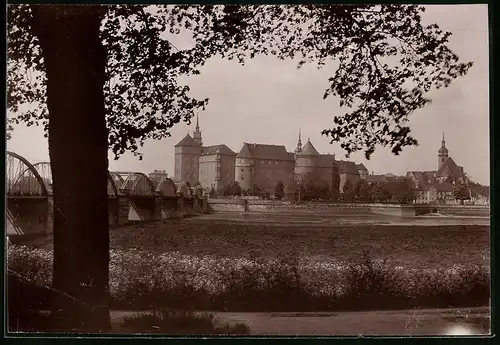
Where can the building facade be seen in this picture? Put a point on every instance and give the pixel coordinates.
(438, 185)
(263, 166)
(259, 165)
(217, 166)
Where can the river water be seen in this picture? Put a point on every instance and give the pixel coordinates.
(343, 219)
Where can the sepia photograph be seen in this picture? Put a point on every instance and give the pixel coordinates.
(247, 170)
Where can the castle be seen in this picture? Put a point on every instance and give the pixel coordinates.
(264, 165)
(259, 165)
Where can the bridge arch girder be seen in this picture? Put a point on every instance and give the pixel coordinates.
(45, 171)
(12, 180)
(166, 187)
(113, 189)
(137, 184)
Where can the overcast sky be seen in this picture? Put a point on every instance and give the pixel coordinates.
(267, 101)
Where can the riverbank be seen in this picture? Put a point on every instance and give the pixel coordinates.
(424, 322)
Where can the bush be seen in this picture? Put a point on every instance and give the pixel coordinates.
(143, 280)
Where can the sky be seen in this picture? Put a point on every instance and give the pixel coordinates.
(267, 101)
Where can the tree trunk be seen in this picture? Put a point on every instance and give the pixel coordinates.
(75, 61)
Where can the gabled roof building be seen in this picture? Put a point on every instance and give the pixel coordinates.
(438, 185)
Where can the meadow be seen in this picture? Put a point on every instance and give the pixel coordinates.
(225, 265)
(407, 246)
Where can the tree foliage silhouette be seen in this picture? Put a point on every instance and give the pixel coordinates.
(279, 190)
(99, 77)
(461, 191)
(387, 61)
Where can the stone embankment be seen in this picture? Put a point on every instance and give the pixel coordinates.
(245, 205)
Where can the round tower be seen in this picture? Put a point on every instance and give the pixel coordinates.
(442, 153)
(245, 168)
(305, 161)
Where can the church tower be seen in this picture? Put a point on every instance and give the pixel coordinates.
(197, 133)
(299, 145)
(442, 153)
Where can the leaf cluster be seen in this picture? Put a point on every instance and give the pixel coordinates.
(380, 61)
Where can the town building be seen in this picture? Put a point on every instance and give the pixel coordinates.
(438, 185)
(157, 175)
(362, 171)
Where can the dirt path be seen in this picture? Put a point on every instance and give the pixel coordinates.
(474, 321)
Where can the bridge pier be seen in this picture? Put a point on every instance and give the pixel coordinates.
(26, 216)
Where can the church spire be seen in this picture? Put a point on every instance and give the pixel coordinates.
(299, 144)
(197, 132)
(442, 153)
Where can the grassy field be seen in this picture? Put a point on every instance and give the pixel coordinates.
(260, 264)
(415, 246)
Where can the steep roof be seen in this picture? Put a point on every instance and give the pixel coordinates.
(264, 151)
(361, 166)
(449, 163)
(308, 149)
(245, 152)
(187, 141)
(425, 179)
(212, 150)
(346, 167)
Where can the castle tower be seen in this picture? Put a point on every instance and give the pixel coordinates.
(442, 153)
(305, 161)
(187, 155)
(299, 145)
(245, 167)
(197, 133)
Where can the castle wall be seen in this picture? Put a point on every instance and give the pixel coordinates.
(325, 174)
(208, 170)
(227, 170)
(269, 172)
(344, 177)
